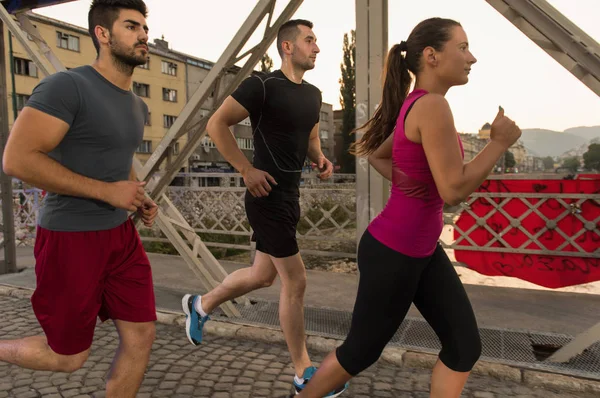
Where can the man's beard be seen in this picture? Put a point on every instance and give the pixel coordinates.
(304, 65)
(124, 59)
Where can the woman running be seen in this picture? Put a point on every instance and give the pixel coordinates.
(411, 140)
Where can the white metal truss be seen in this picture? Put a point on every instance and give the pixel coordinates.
(171, 222)
(36, 53)
(9, 263)
(554, 33)
(372, 190)
(231, 56)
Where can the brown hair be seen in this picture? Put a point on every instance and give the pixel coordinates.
(433, 32)
(106, 12)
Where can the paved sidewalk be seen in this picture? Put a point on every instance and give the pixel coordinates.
(495, 307)
(220, 368)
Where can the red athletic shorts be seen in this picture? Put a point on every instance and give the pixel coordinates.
(85, 275)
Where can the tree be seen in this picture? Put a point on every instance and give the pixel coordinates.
(266, 63)
(509, 160)
(591, 158)
(548, 163)
(572, 164)
(348, 101)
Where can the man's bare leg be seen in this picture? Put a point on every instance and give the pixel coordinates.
(292, 272)
(261, 274)
(131, 360)
(35, 353)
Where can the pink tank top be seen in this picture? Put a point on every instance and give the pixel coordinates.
(412, 220)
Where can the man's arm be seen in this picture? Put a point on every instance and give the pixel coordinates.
(229, 114)
(148, 210)
(32, 137)
(314, 153)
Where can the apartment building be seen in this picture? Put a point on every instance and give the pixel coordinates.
(166, 83)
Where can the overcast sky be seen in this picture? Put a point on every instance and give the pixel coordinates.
(511, 71)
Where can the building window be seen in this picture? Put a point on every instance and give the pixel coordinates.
(149, 119)
(146, 147)
(169, 95)
(245, 143)
(146, 65)
(199, 64)
(208, 143)
(66, 41)
(169, 120)
(21, 101)
(141, 89)
(324, 116)
(169, 68)
(324, 134)
(25, 67)
(176, 149)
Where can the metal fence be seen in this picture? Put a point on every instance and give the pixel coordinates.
(213, 204)
(564, 205)
(328, 217)
(26, 202)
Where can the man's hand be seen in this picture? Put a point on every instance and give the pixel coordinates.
(257, 182)
(325, 168)
(128, 195)
(148, 212)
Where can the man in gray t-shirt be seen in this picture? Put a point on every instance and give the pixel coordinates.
(76, 139)
(106, 125)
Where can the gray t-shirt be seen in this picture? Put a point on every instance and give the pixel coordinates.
(106, 125)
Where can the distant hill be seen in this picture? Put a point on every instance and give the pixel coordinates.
(580, 150)
(541, 142)
(588, 133)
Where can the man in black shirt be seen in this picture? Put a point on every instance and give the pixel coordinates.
(284, 111)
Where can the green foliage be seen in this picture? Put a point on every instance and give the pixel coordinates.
(591, 158)
(548, 163)
(572, 164)
(348, 100)
(266, 63)
(509, 160)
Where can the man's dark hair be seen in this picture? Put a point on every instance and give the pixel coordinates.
(106, 12)
(289, 31)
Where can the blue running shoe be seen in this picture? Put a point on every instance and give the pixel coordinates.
(194, 323)
(299, 384)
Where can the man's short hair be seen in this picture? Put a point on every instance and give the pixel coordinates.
(289, 31)
(106, 12)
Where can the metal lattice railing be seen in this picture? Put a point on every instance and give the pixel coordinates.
(212, 209)
(328, 219)
(567, 205)
(26, 203)
(327, 224)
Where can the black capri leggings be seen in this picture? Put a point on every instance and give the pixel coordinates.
(389, 283)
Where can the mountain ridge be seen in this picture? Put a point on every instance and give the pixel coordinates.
(544, 142)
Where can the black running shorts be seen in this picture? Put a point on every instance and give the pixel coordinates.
(273, 221)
